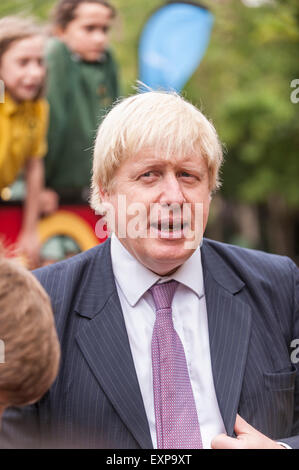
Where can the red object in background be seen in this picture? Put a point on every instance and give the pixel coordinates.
(11, 221)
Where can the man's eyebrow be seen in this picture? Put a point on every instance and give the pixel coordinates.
(152, 163)
(140, 165)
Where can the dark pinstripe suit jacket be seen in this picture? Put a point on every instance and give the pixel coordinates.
(253, 315)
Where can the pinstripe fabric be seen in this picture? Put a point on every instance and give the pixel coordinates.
(253, 311)
(252, 303)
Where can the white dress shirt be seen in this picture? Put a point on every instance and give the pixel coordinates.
(190, 321)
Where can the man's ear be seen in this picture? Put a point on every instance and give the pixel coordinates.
(104, 193)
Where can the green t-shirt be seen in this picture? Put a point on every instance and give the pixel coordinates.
(79, 93)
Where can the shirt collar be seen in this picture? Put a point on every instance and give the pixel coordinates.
(126, 267)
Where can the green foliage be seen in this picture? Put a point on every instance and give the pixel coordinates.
(243, 84)
(39, 8)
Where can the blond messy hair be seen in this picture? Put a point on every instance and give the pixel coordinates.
(162, 121)
(27, 331)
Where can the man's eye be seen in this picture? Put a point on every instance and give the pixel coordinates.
(148, 175)
(188, 177)
(186, 174)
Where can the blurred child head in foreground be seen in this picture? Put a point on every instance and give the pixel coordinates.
(30, 349)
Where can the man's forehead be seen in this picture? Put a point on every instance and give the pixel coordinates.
(162, 157)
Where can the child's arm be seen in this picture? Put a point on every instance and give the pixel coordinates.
(28, 240)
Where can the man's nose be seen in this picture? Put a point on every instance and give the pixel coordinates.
(171, 191)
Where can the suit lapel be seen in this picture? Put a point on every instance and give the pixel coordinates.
(229, 321)
(105, 345)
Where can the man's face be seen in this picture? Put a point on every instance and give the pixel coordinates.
(22, 68)
(87, 34)
(152, 181)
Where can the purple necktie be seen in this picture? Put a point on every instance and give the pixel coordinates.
(177, 423)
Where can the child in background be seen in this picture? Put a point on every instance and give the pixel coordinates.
(23, 120)
(82, 84)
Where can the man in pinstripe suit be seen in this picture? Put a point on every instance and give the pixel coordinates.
(234, 310)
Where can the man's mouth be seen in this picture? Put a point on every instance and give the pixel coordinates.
(170, 228)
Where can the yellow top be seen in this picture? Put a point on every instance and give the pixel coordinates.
(23, 130)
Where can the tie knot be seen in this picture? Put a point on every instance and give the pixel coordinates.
(163, 294)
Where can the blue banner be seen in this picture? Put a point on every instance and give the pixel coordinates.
(172, 44)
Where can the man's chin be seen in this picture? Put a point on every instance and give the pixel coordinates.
(165, 257)
(173, 247)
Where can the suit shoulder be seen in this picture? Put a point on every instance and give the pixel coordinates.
(250, 258)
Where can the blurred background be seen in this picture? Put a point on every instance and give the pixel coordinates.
(246, 84)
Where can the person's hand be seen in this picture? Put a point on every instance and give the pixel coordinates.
(247, 438)
(48, 201)
(28, 247)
